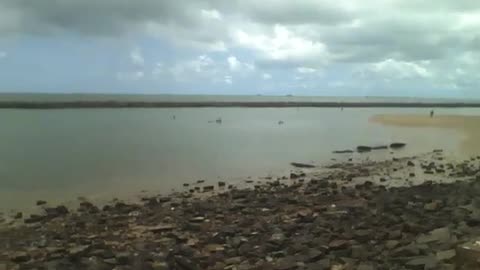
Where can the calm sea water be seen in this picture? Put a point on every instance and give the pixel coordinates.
(58, 155)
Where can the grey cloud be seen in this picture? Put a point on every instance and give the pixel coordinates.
(92, 17)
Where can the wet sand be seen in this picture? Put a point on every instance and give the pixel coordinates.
(467, 125)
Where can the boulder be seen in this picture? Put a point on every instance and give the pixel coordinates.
(302, 165)
(363, 148)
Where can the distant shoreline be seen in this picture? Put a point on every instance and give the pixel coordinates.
(222, 104)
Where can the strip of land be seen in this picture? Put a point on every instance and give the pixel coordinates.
(269, 104)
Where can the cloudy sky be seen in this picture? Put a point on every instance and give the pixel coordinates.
(424, 48)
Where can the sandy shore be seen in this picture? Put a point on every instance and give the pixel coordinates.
(467, 125)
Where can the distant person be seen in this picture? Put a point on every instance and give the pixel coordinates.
(431, 113)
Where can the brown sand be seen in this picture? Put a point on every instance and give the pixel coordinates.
(469, 125)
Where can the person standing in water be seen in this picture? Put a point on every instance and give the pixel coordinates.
(431, 113)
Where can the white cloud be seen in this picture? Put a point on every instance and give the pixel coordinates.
(136, 57)
(130, 76)
(227, 79)
(306, 70)
(391, 68)
(235, 65)
(283, 47)
(266, 76)
(212, 14)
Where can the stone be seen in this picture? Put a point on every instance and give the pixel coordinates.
(78, 250)
(363, 148)
(123, 258)
(410, 163)
(338, 244)
(302, 165)
(391, 244)
(18, 215)
(397, 145)
(446, 255)
(359, 252)
(19, 256)
(423, 262)
(432, 206)
(41, 202)
(208, 188)
(365, 266)
(221, 184)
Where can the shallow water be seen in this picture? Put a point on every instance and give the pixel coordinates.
(58, 155)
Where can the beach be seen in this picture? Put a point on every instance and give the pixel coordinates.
(402, 213)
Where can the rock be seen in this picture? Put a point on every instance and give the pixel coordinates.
(186, 184)
(363, 148)
(296, 175)
(78, 251)
(410, 163)
(365, 266)
(432, 206)
(221, 184)
(391, 244)
(378, 147)
(200, 181)
(425, 262)
(19, 257)
(359, 252)
(411, 174)
(161, 228)
(123, 258)
(184, 263)
(338, 244)
(198, 219)
(406, 251)
(397, 145)
(446, 255)
(343, 151)
(34, 218)
(18, 215)
(58, 211)
(208, 188)
(41, 202)
(302, 165)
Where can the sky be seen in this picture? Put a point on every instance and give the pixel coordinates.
(415, 48)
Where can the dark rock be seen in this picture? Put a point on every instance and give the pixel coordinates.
(447, 255)
(343, 151)
(208, 188)
(58, 211)
(363, 148)
(19, 257)
(186, 184)
(378, 147)
(34, 218)
(425, 262)
(397, 145)
(410, 163)
(221, 184)
(200, 181)
(302, 165)
(18, 215)
(338, 244)
(296, 175)
(123, 258)
(41, 202)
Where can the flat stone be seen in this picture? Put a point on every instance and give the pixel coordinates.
(338, 244)
(446, 255)
(19, 256)
(425, 262)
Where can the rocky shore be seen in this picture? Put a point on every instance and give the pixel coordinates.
(349, 215)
